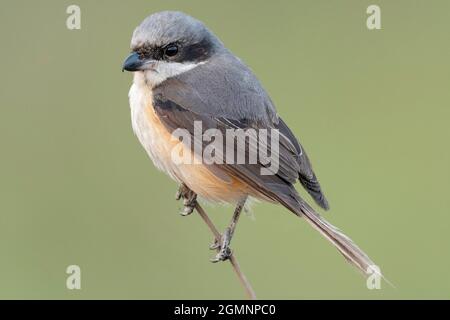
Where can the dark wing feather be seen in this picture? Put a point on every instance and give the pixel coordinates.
(275, 187)
(307, 176)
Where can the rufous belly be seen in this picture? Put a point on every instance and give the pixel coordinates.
(198, 177)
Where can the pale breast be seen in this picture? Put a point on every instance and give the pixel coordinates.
(149, 132)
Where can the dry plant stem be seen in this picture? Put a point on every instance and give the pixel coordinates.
(242, 278)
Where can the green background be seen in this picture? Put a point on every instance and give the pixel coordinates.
(371, 107)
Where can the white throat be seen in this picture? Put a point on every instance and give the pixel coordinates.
(161, 70)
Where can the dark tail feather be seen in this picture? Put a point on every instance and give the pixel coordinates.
(344, 244)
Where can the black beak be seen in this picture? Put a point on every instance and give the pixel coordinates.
(133, 62)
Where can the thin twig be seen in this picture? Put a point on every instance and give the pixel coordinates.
(234, 263)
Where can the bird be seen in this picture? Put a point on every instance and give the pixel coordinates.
(183, 74)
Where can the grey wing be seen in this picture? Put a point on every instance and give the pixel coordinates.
(224, 93)
(274, 187)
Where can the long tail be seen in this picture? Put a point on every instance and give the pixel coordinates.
(344, 244)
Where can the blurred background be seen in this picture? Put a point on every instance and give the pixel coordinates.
(370, 107)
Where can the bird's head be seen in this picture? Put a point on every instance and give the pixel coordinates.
(169, 43)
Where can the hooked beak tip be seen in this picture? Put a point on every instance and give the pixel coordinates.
(132, 63)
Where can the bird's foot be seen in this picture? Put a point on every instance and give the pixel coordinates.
(189, 200)
(223, 247)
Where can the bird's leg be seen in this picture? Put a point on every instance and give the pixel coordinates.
(224, 244)
(189, 199)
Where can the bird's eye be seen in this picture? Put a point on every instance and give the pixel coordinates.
(171, 50)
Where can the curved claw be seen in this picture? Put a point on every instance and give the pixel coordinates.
(223, 255)
(222, 245)
(187, 210)
(189, 200)
(215, 245)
